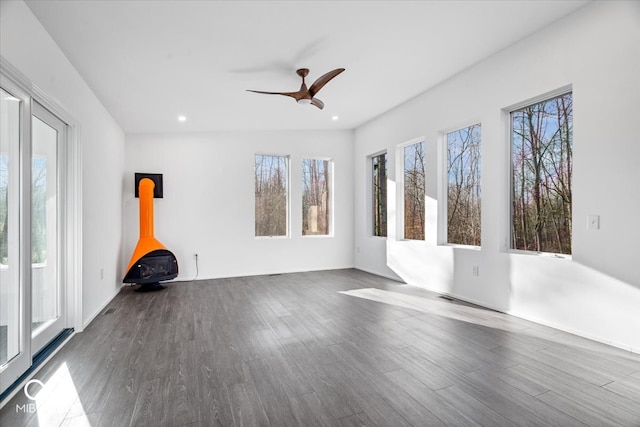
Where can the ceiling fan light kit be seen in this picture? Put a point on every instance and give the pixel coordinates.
(307, 95)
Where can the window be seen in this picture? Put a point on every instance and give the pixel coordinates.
(271, 192)
(414, 191)
(463, 189)
(4, 206)
(379, 196)
(315, 197)
(38, 210)
(541, 159)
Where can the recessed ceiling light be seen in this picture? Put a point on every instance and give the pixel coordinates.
(334, 118)
(182, 118)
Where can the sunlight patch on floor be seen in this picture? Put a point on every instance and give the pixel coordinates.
(443, 308)
(394, 298)
(59, 399)
(476, 315)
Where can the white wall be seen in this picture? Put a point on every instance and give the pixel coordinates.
(597, 292)
(27, 47)
(208, 204)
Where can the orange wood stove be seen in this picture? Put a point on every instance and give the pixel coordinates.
(151, 262)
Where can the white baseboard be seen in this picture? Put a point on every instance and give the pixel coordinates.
(377, 273)
(86, 323)
(577, 333)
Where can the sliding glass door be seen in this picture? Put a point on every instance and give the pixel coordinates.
(32, 291)
(15, 341)
(47, 298)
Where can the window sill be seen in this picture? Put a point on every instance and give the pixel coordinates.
(460, 246)
(539, 254)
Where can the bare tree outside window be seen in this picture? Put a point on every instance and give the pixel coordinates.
(271, 195)
(39, 210)
(4, 209)
(542, 164)
(463, 192)
(315, 197)
(379, 177)
(414, 191)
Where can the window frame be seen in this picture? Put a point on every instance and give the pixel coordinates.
(508, 129)
(330, 196)
(444, 195)
(400, 179)
(371, 199)
(287, 158)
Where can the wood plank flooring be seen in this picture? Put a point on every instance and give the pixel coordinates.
(331, 348)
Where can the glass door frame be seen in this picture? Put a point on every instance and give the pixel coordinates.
(42, 335)
(70, 256)
(16, 365)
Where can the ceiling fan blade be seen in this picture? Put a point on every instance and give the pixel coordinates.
(296, 95)
(317, 103)
(273, 93)
(323, 80)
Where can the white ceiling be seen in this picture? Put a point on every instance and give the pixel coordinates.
(150, 61)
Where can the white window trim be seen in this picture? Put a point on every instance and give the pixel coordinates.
(73, 227)
(508, 132)
(288, 193)
(399, 163)
(369, 194)
(331, 185)
(443, 185)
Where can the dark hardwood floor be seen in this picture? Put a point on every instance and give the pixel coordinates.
(333, 348)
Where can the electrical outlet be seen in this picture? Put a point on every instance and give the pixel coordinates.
(476, 270)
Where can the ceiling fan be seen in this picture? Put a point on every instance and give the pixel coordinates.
(304, 95)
